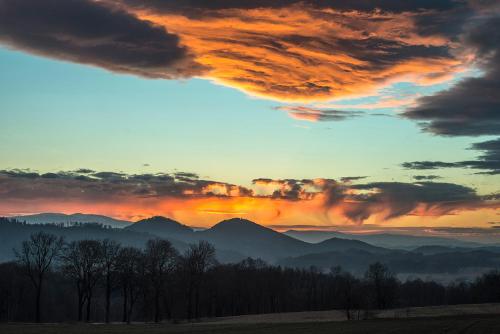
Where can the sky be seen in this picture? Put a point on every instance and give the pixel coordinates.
(352, 114)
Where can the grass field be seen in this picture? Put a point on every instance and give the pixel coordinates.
(465, 324)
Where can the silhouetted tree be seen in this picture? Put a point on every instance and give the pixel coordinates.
(346, 289)
(155, 281)
(82, 262)
(382, 284)
(130, 270)
(161, 259)
(36, 257)
(196, 261)
(109, 252)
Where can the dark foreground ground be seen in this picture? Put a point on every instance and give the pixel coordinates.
(488, 324)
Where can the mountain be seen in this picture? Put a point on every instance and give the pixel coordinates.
(386, 240)
(162, 227)
(342, 245)
(252, 239)
(61, 218)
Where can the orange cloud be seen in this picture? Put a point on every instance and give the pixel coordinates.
(303, 53)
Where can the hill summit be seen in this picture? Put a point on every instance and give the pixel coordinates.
(161, 226)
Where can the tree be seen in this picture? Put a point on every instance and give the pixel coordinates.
(196, 261)
(82, 262)
(36, 257)
(130, 270)
(110, 250)
(382, 283)
(345, 290)
(161, 259)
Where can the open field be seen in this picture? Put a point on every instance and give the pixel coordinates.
(337, 315)
(472, 324)
(463, 319)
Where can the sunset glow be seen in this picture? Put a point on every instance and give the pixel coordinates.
(289, 113)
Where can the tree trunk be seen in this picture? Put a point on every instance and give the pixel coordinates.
(197, 302)
(157, 305)
(108, 295)
(131, 307)
(89, 305)
(80, 306)
(189, 301)
(124, 318)
(38, 301)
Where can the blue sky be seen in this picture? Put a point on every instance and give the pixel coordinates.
(62, 116)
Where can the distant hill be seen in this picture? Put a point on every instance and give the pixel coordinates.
(252, 239)
(342, 245)
(61, 218)
(162, 227)
(386, 240)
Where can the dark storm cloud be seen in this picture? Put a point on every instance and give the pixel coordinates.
(488, 162)
(472, 107)
(85, 31)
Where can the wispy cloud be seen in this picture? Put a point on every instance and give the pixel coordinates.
(316, 115)
(487, 163)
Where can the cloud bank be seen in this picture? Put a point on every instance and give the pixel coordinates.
(285, 50)
(347, 199)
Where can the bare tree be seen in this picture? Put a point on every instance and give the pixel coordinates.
(345, 290)
(36, 257)
(130, 271)
(110, 250)
(196, 261)
(82, 262)
(161, 259)
(383, 284)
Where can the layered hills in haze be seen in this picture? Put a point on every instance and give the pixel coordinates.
(235, 239)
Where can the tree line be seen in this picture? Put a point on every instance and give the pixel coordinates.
(100, 280)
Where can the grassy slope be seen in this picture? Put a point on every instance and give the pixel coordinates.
(473, 324)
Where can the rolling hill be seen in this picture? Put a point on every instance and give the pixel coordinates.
(386, 240)
(161, 227)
